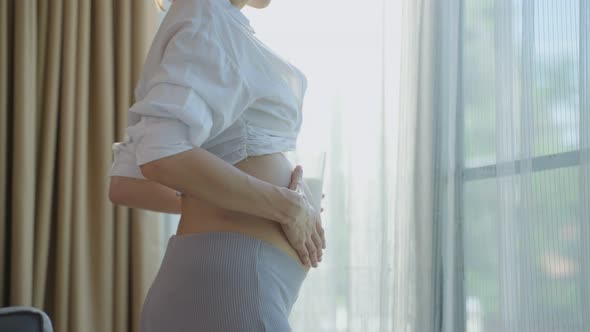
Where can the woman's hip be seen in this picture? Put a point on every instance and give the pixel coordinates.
(222, 281)
(265, 230)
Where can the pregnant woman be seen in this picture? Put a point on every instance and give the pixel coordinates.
(215, 111)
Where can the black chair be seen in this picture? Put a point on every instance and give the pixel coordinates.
(24, 319)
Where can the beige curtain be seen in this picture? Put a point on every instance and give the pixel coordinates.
(67, 73)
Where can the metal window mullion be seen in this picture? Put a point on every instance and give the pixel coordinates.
(509, 168)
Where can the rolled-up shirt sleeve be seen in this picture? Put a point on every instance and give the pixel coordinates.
(195, 93)
(124, 162)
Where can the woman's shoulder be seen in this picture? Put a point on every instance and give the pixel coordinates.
(194, 14)
(200, 15)
(207, 26)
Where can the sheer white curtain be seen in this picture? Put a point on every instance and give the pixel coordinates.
(526, 177)
(500, 119)
(428, 196)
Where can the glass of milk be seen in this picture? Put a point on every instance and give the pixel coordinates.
(314, 164)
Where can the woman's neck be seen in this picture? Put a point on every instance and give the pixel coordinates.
(238, 3)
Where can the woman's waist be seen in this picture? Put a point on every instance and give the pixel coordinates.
(229, 221)
(198, 216)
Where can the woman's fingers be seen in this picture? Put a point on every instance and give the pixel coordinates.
(321, 233)
(318, 244)
(296, 177)
(311, 249)
(303, 254)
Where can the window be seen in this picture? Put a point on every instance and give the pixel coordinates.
(526, 186)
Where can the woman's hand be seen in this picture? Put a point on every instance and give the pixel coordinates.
(305, 233)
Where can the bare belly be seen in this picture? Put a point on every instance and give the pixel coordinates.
(198, 216)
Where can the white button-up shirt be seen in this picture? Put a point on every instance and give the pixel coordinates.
(209, 82)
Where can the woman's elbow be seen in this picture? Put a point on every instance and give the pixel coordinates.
(116, 191)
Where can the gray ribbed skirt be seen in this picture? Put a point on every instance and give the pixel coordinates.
(222, 282)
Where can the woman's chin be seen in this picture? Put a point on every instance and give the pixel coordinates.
(259, 4)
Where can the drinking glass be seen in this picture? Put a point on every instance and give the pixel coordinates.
(313, 164)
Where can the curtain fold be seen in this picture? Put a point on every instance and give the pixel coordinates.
(428, 195)
(413, 259)
(584, 132)
(5, 92)
(67, 72)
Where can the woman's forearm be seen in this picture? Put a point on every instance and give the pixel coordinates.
(202, 174)
(143, 194)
